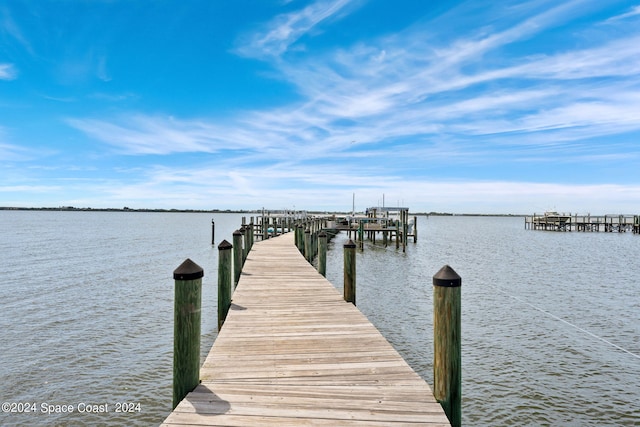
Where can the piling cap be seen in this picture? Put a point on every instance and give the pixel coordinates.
(447, 277)
(224, 245)
(350, 244)
(322, 234)
(188, 270)
(238, 233)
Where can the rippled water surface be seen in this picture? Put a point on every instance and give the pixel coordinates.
(86, 310)
(550, 321)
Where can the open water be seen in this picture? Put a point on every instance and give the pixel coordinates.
(550, 321)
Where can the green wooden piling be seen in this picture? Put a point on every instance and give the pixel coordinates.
(246, 239)
(314, 238)
(213, 231)
(186, 329)
(322, 253)
(265, 227)
(251, 234)
(237, 256)
(224, 280)
(350, 272)
(301, 238)
(307, 245)
(447, 362)
(405, 229)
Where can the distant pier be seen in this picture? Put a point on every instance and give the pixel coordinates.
(554, 221)
(378, 224)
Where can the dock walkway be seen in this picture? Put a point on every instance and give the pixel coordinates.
(292, 352)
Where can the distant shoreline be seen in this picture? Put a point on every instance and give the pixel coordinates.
(219, 211)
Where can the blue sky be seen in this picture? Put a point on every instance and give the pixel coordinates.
(478, 106)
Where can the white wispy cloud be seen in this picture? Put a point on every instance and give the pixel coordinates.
(9, 26)
(635, 11)
(29, 188)
(10, 151)
(405, 85)
(8, 72)
(101, 71)
(142, 134)
(618, 58)
(284, 30)
(374, 109)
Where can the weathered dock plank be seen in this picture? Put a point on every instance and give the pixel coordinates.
(293, 352)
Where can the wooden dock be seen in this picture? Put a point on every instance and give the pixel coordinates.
(553, 221)
(292, 352)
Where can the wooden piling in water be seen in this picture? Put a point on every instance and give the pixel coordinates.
(251, 236)
(186, 329)
(299, 238)
(314, 238)
(322, 253)
(213, 232)
(247, 234)
(224, 280)
(447, 361)
(307, 245)
(265, 227)
(350, 272)
(238, 256)
(405, 228)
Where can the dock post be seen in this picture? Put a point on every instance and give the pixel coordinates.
(415, 229)
(447, 362)
(296, 236)
(246, 238)
(251, 235)
(322, 253)
(265, 227)
(350, 272)
(307, 244)
(237, 256)
(224, 281)
(186, 329)
(405, 230)
(213, 231)
(314, 238)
